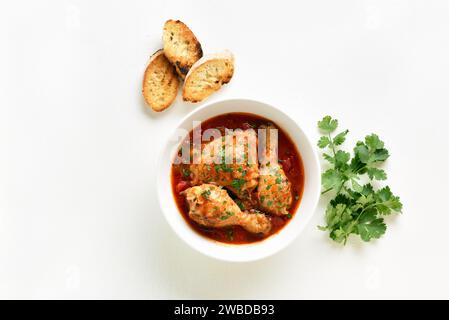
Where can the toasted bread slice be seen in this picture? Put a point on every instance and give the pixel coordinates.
(160, 82)
(181, 47)
(207, 75)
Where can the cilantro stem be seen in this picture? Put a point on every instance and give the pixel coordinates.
(357, 171)
(341, 186)
(363, 211)
(331, 142)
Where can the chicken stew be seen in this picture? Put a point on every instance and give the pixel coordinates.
(248, 197)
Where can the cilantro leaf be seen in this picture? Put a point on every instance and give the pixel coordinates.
(340, 138)
(373, 142)
(377, 174)
(384, 194)
(328, 158)
(338, 235)
(331, 179)
(368, 155)
(341, 158)
(361, 152)
(367, 190)
(323, 142)
(380, 155)
(387, 202)
(370, 226)
(328, 125)
(356, 186)
(337, 215)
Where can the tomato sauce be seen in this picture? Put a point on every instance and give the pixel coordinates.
(288, 156)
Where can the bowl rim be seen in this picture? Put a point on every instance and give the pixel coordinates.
(285, 244)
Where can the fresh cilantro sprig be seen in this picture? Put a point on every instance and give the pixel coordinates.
(355, 209)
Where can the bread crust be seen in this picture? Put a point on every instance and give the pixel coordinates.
(160, 83)
(181, 47)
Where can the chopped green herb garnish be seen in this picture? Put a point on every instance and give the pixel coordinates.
(230, 234)
(225, 168)
(206, 193)
(238, 183)
(185, 172)
(227, 215)
(240, 204)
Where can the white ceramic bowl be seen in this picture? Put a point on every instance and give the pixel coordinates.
(276, 242)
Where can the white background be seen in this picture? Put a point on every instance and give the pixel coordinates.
(79, 215)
